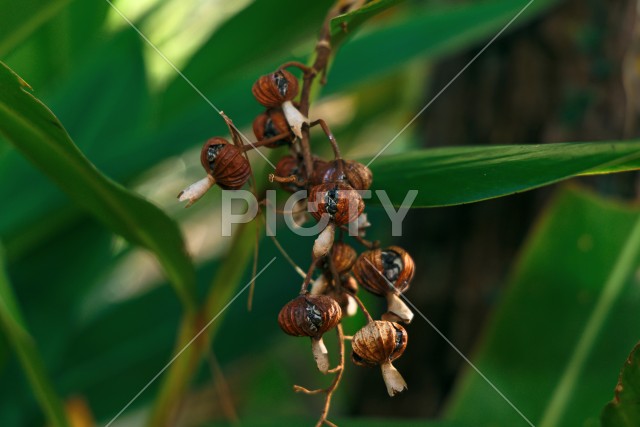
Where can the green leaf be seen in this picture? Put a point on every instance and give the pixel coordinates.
(430, 32)
(37, 133)
(344, 25)
(624, 409)
(457, 175)
(25, 348)
(19, 20)
(103, 130)
(562, 327)
(223, 288)
(264, 32)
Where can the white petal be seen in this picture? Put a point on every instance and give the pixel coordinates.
(294, 117)
(324, 241)
(392, 379)
(319, 285)
(397, 307)
(195, 191)
(320, 354)
(352, 306)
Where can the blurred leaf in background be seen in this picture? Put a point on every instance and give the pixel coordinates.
(101, 311)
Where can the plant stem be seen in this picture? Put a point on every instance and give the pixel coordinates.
(323, 53)
(339, 371)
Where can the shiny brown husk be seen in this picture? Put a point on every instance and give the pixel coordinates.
(354, 173)
(373, 267)
(274, 89)
(309, 315)
(378, 342)
(339, 200)
(226, 163)
(272, 123)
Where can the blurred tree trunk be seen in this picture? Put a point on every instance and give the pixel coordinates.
(560, 78)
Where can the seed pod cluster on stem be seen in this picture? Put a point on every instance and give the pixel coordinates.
(336, 271)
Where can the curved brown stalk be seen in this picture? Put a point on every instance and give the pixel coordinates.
(339, 371)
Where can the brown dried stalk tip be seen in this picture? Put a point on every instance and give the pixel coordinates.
(311, 316)
(387, 272)
(380, 343)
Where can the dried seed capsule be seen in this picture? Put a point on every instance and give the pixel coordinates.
(311, 316)
(270, 124)
(289, 166)
(344, 295)
(387, 272)
(276, 88)
(354, 173)
(294, 166)
(350, 284)
(226, 163)
(343, 257)
(339, 200)
(380, 343)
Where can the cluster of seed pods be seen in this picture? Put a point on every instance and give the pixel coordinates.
(333, 196)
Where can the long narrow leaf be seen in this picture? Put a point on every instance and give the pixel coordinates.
(12, 323)
(344, 25)
(458, 175)
(33, 129)
(555, 344)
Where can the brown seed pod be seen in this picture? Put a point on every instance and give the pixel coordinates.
(339, 200)
(294, 166)
(354, 173)
(289, 166)
(349, 284)
(312, 316)
(392, 263)
(270, 124)
(380, 343)
(344, 295)
(309, 315)
(226, 163)
(387, 272)
(343, 257)
(276, 88)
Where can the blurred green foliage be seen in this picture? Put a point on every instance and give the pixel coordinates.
(104, 321)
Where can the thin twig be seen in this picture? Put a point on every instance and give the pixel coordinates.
(364, 242)
(284, 253)
(339, 371)
(336, 380)
(307, 279)
(267, 141)
(222, 388)
(323, 53)
(332, 139)
(363, 308)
